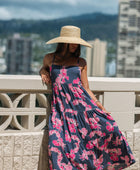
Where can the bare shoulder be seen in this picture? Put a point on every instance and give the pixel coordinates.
(82, 62)
(48, 59)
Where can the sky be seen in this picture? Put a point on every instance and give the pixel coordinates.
(53, 9)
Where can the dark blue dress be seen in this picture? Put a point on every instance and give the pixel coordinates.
(81, 135)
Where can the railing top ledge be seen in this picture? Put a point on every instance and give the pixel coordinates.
(17, 77)
(114, 84)
(29, 83)
(114, 79)
(22, 83)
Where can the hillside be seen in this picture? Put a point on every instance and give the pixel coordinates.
(95, 25)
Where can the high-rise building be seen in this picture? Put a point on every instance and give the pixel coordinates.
(96, 58)
(18, 55)
(128, 53)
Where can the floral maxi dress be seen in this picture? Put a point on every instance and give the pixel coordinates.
(81, 135)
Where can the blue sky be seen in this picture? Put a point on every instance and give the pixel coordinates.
(52, 9)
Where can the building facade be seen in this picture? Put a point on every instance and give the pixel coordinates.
(18, 55)
(128, 52)
(96, 58)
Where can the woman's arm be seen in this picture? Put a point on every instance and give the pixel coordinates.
(44, 71)
(84, 80)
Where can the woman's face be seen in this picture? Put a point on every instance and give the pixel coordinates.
(72, 47)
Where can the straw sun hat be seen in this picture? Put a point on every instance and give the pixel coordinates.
(69, 34)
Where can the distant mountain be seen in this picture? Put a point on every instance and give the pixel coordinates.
(94, 25)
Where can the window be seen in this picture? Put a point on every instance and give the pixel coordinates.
(138, 23)
(132, 34)
(9, 44)
(133, 4)
(137, 62)
(132, 20)
(138, 6)
(121, 62)
(129, 73)
(120, 71)
(137, 73)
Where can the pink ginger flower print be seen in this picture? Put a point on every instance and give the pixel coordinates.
(68, 98)
(85, 167)
(60, 104)
(72, 154)
(115, 153)
(51, 132)
(114, 156)
(63, 73)
(104, 147)
(109, 117)
(89, 145)
(74, 137)
(54, 100)
(110, 137)
(56, 89)
(75, 102)
(84, 155)
(94, 123)
(77, 95)
(88, 107)
(117, 141)
(100, 111)
(119, 151)
(62, 77)
(62, 94)
(58, 79)
(92, 101)
(95, 117)
(126, 158)
(76, 81)
(58, 124)
(71, 111)
(68, 155)
(67, 166)
(72, 127)
(98, 132)
(67, 136)
(84, 132)
(56, 143)
(63, 80)
(98, 163)
(109, 127)
(80, 91)
(110, 166)
(81, 166)
(50, 165)
(62, 144)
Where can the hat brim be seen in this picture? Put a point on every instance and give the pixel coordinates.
(72, 40)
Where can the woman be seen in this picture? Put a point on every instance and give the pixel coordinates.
(82, 134)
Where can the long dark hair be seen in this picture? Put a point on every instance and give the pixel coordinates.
(61, 47)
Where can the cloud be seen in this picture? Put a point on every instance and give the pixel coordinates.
(51, 9)
(4, 13)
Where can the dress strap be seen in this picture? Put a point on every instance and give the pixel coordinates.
(78, 61)
(53, 59)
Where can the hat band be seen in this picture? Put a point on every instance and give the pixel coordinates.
(68, 33)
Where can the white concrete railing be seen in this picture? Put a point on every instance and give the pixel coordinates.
(25, 102)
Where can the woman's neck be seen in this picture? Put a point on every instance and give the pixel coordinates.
(66, 55)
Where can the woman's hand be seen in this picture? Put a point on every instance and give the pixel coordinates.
(101, 106)
(106, 111)
(46, 78)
